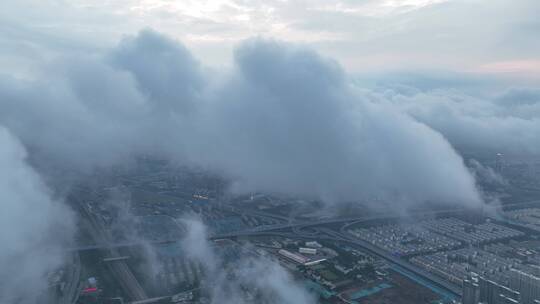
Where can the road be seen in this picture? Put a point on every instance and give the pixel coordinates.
(73, 286)
(367, 247)
(119, 268)
(297, 226)
(132, 287)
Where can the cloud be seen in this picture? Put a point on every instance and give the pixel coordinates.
(362, 35)
(244, 272)
(284, 120)
(165, 71)
(428, 36)
(33, 227)
(507, 121)
(296, 126)
(519, 97)
(486, 174)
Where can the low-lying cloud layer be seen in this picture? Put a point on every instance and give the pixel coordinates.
(261, 276)
(33, 227)
(505, 121)
(283, 120)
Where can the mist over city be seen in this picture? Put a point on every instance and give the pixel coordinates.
(302, 152)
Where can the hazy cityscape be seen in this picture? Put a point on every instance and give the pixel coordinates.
(135, 225)
(274, 152)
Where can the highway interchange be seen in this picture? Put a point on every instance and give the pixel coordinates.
(324, 229)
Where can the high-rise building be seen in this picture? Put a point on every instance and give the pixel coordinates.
(508, 296)
(493, 293)
(527, 284)
(507, 300)
(488, 292)
(499, 162)
(471, 292)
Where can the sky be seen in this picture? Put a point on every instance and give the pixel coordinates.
(466, 36)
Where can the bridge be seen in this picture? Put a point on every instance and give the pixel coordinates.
(321, 233)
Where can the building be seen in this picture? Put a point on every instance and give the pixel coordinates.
(493, 293)
(527, 284)
(313, 244)
(307, 250)
(300, 259)
(507, 300)
(499, 162)
(471, 292)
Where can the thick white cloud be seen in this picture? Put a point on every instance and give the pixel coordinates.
(284, 120)
(298, 127)
(507, 121)
(33, 227)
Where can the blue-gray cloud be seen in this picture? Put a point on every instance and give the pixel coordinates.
(33, 227)
(283, 120)
(489, 120)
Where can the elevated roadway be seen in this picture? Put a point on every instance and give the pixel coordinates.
(118, 268)
(299, 225)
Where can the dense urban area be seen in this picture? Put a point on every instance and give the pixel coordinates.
(129, 247)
